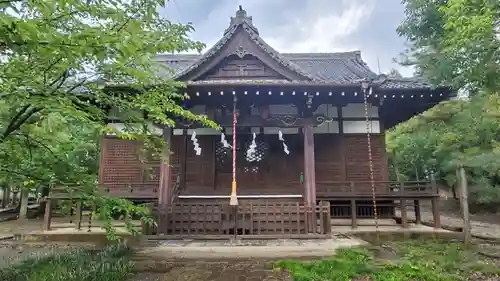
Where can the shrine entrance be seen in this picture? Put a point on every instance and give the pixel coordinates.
(269, 161)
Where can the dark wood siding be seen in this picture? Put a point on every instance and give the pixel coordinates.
(338, 158)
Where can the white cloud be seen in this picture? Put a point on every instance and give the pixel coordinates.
(307, 25)
(323, 33)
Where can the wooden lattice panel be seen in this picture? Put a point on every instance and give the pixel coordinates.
(123, 173)
(357, 160)
(329, 158)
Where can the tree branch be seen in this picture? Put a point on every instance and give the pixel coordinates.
(14, 119)
(19, 120)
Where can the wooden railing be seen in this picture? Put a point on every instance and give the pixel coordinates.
(383, 189)
(273, 220)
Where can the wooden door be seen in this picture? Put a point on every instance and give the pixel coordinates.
(266, 169)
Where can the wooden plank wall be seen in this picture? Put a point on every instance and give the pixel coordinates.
(345, 158)
(338, 158)
(121, 167)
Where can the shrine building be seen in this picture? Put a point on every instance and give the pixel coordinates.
(309, 145)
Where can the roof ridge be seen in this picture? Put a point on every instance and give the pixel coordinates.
(324, 54)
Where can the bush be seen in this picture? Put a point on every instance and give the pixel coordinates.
(111, 264)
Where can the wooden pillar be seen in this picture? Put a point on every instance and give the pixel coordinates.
(165, 176)
(342, 143)
(78, 215)
(183, 151)
(462, 180)
(435, 204)
(402, 202)
(354, 220)
(418, 214)
(214, 162)
(165, 180)
(309, 175)
(309, 165)
(23, 211)
(6, 197)
(47, 218)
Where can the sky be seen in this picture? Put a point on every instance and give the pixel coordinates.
(305, 25)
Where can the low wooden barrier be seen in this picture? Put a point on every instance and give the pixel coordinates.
(220, 220)
(384, 190)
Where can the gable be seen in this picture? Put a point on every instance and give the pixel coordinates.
(246, 67)
(242, 43)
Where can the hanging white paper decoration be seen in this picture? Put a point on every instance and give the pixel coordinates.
(285, 147)
(196, 145)
(251, 148)
(224, 141)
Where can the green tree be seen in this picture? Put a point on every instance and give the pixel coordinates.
(64, 63)
(459, 132)
(454, 42)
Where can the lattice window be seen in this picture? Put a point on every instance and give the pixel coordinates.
(250, 162)
(223, 157)
(255, 160)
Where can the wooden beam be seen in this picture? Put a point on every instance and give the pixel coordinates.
(276, 121)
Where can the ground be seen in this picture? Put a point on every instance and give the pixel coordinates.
(12, 251)
(231, 270)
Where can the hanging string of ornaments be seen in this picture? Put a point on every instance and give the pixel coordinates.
(329, 94)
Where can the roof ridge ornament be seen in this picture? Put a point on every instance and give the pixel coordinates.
(241, 18)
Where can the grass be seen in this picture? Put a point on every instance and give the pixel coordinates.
(111, 264)
(415, 260)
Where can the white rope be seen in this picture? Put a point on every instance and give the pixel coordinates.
(197, 147)
(285, 147)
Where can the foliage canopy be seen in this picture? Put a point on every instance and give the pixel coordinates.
(64, 64)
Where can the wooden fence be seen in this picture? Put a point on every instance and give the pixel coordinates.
(259, 220)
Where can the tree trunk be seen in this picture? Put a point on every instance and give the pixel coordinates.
(23, 211)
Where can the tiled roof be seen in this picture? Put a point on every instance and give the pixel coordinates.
(338, 68)
(327, 68)
(345, 68)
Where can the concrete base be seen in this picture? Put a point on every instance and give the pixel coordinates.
(363, 222)
(263, 249)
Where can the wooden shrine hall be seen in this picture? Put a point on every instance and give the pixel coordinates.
(302, 137)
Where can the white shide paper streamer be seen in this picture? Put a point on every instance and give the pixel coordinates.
(251, 148)
(197, 147)
(224, 141)
(285, 147)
